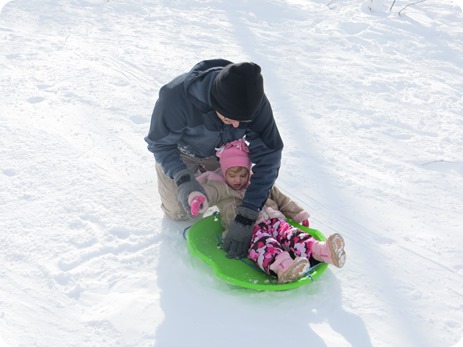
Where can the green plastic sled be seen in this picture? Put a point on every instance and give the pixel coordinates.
(204, 241)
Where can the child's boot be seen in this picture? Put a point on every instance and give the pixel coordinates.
(289, 269)
(331, 251)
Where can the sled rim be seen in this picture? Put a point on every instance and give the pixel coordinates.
(203, 242)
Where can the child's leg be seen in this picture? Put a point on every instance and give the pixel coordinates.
(301, 244)
(264, 248)
(291, 238)
(270, 256)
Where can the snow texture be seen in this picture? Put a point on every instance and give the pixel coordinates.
(368, 100)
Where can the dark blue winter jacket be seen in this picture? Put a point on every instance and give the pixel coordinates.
(184, 120)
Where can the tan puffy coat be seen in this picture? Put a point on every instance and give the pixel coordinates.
(278, 205)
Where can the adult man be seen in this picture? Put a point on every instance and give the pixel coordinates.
(215, 103)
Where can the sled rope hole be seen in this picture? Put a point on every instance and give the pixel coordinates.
(184, 232)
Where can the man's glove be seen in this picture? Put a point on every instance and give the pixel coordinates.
(187, 184)
(236, 242)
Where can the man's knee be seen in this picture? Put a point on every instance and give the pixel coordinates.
(175, 214)
(167, 190)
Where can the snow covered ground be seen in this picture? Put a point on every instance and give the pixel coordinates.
(368, 102)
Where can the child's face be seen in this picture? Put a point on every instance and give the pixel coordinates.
(237, 177)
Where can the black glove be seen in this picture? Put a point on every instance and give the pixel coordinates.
(236, 242)
(187, 184)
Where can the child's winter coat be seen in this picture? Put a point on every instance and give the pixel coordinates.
(278, 205)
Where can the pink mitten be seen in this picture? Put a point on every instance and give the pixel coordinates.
(198, 203)
(302, 218)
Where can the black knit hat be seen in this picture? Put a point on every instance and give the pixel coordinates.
(237, 91)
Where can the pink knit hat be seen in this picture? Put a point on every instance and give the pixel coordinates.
(235, 153)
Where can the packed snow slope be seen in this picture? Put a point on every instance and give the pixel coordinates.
(368, 100)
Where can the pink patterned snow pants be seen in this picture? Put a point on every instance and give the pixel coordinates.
(275, 236)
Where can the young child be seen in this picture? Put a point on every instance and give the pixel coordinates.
(276, 246)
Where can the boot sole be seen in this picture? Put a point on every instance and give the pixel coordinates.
(336, 245)
(295, 271)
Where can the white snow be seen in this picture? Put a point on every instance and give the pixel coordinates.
(368, 102)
